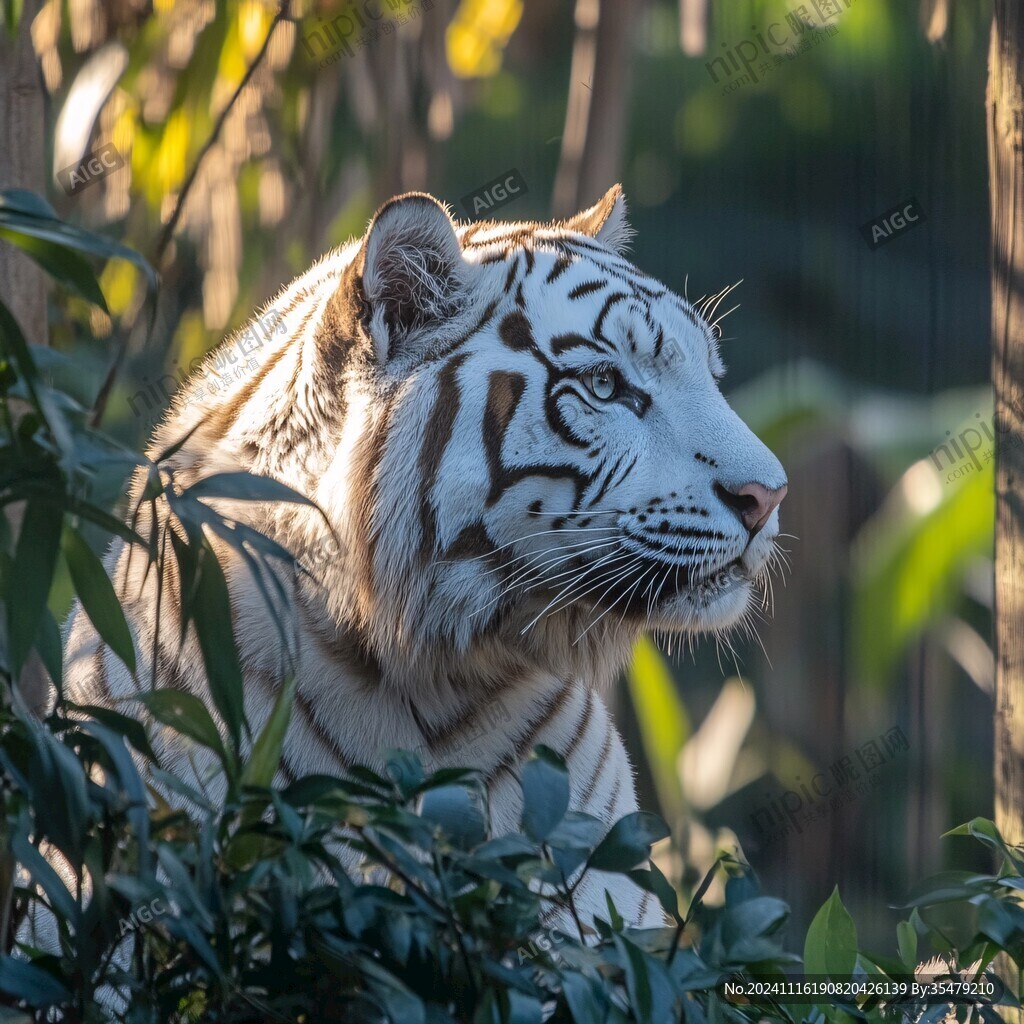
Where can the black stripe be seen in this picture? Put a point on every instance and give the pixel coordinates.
(525, 741)
(605, 310)
(642, 909)
(627, 470)
(602, 760)
(511, 276)
(305, 709)
(437, 436)
(562, 264)
(607, 482)
(562, 343)
(586, 288)
(581, 726)
(451, 346)
(101, 674)
(610, 805)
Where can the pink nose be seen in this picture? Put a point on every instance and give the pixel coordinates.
(753, 502)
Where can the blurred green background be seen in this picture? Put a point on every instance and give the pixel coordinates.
(852, 363)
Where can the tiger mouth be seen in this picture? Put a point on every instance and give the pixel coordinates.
(684, 580)
(652, 583)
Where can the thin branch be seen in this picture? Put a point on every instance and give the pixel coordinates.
(100, 405)
(172, 223)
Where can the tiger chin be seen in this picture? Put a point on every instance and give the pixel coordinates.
(519, 444)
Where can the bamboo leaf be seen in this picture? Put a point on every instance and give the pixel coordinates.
(96, 592)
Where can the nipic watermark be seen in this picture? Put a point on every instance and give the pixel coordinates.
(359, 25)
(850, 776)
(775, 44)
(227, 367)
(90, 169)
(971, 440)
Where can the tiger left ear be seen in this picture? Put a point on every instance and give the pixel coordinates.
(412, 270)
(605, 221)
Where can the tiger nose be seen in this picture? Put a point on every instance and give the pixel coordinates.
(753, 502)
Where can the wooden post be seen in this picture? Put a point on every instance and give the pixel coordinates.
(1005, 115)
(22, 165)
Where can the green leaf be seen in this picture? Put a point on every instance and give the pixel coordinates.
(96, 592)
(650, 987)
(653, 881)
(127, 775)
(831, 944)
(457, 811)
(523, 1008)
(35, 558)
(26, 981)
(406, 769)
(186, 714)
(50, 650)
(59, 794)
(43, 874)
(985, 830)
(705, 884)
(753, 918)
(585, 998)
(24, 201)
(130, 728)
(29, 214)
(628, 843)
(15, 347)
(242, 486)
(662, 719)
(906, 943)
(545, 784)
(103, 519)
(60, 262)
(909, 571)
(392, 994)
(577, 831)
(1002, 922)
(265, 757)
(211, 616)
(948, 887)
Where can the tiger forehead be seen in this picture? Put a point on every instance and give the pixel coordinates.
(590, 305)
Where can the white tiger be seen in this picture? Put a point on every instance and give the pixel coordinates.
(519, 440)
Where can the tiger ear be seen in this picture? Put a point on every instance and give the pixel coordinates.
(605, 221)
(413, 274)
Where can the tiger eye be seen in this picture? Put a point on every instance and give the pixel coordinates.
(601, 383)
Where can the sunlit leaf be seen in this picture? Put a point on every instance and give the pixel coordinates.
(831, 944)
(663, 721)
(265, 757)
(909, 573)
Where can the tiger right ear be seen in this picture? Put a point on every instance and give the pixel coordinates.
(413, 274)
(605, 221)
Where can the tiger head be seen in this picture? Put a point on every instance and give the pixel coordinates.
(541, 448)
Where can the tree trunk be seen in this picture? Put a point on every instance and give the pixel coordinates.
(22, 165)
(22, 282)
(1005, 111)
(595, 117)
